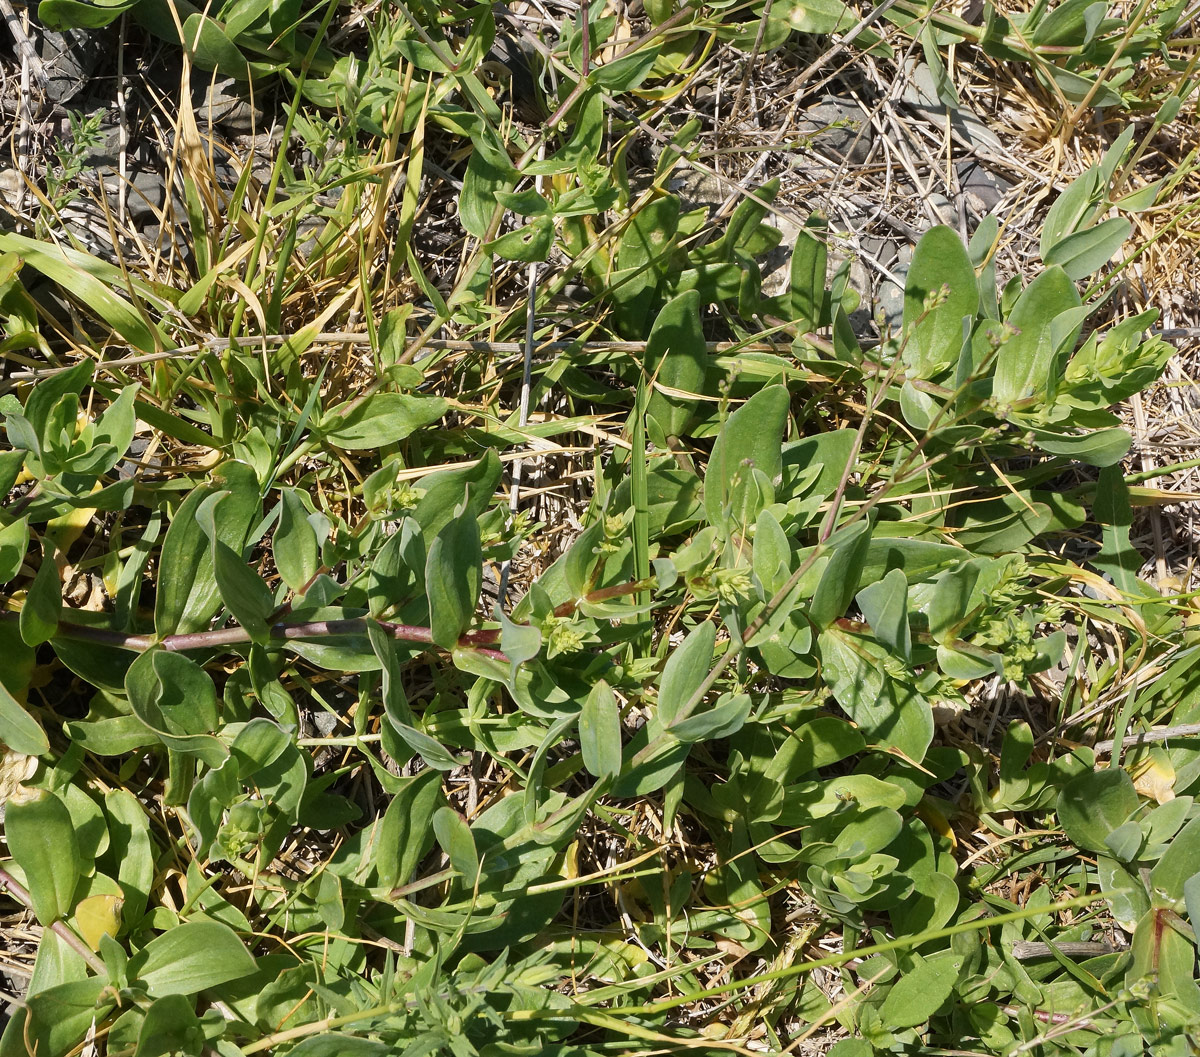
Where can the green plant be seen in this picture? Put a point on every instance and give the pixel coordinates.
(61, 179)
(297, 781)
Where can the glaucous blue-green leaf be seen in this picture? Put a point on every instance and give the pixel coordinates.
(750, 440)
(920, 991)
(294, 547)
(809, 299)
(486, 174)
(1098, 447)
(529, 243)
(43, 602)
(1179, 863)
(445, 490)
(1024, 361)
(600, 732)
(242, 590)
(18, 729)
(41, 838)
(187, 595)
(406, 833)
(176, 699)
(1085, 252)
(884, 605)
(685, 671)
(726, 717)
(131, 847)
(455, 839)
(840, 580)
(1094, 804)
(453, 576)
(942, 280)
(677, 359)
(579, 563)
(379, 420)
(191, 957)
(891, 714)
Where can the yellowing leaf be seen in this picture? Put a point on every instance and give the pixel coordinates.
(1155, 777)
(98, 915)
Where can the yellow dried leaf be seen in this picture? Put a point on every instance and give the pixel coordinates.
(15, 767)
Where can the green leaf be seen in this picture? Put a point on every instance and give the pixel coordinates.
(600, 732)
(60, 1017)
(916, 996)
(579, 563)
(486, 174)
(14, 542)
(131, 848)
(170, 1026)
(187, 595)
(1179, 863)
(1094, 804)
(75, 14)
(406, 832)
(809, 300)
(518, 642)
(884, 604)
(453, 576)
(627, 72)
(1070, 210)
(1024, 361)
(890, 713)
(43, 602)
(190, 958)
(211, 49)
(529, 243)
(176, 699)
(117, 424)
(840, 579)
(684, 672)
(1099, 447)
(456, 840)
(447, 489)
(18, 729)
(294, 547)
(1085, 252)
(395, 705)
(1118, 557)
(772, 554)
(339, 1044)
(934, 342)
(723, 720)
(85, 278)
(751, 439)
(379, 420)
(242, 590)
(677, 358)
(41, 837)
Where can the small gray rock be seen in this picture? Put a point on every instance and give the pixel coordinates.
(837, 127)
(70, 58)
(984, 190)
(224, 102)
